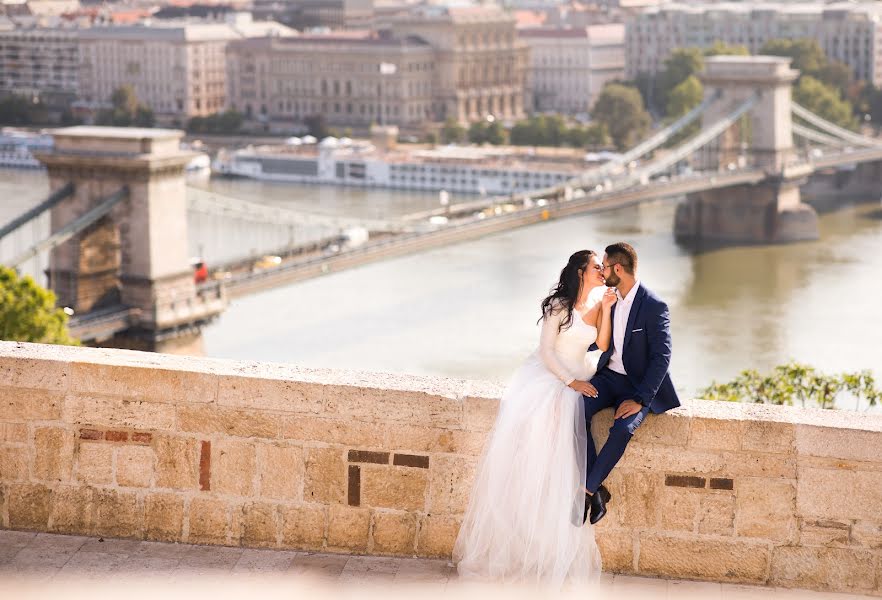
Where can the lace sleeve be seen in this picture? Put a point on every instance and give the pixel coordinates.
(547, 338)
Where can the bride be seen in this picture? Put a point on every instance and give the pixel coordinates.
(524, 519)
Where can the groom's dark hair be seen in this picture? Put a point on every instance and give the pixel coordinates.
(623, 254)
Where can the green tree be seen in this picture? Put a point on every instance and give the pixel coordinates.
(495, 133)
(721, 49)
(317, 126)
(824, 101)
(807, 54)
(452, 132)
(596, 135)
(684, 97)
(28, 313)
(620, 109)
(22, 110)
(126, 110)
(835, 74)
(226, 122)
(679, 66)
(477, 132)
(796, 383)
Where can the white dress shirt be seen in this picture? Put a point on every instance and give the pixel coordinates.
(620, 324)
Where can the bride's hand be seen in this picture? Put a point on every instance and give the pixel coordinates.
(609, 298)
(583, 387)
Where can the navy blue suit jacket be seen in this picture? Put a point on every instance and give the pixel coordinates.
(647, 351)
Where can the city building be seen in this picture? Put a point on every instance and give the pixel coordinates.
(431, 64)
(40, 63)
(177, 68)
(570, 66)
(850, 32)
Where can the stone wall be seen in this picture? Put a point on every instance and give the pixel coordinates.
(125, 444)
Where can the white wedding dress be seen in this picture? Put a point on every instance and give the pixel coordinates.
(528, 490)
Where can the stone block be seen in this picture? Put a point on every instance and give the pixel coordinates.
(303, 527)
(414, 438)
(84, 409)
(616, 549)
(394, 533)
(717, 514)
(281, 471)
(715, 434)
(271, 394)
(71, 510)
(768, 436)
(635, 498)
(677, 557)
(164, 517)
(450, 483)
(667, 459)
(822, 494)
(834, 569)
(837, 443)
(766, 508)
(866, 534)
(118, 514)
(135, 466)
(383, 405)
(13, 463)
(21, 404)
(259, 526)
(177, 463)
(211, 419)
(28, 506)
(233, 466)
(402, 488)
(756, 464)
(325, 476)
(348, 528)
(816, 532)
(479, 414)
(53, 453)
(437, 535)
(94, 462)
(13, 433)
(148, 382)
(668, 430)
(209, 521)
(344, 432)
(34, 373)
(680, 508)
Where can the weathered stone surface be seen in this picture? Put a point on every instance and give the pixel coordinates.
(835, 569)
(135, 466)
(118, 514)
(766, 508)
(325, 476)
(259, 526)
(13, 433)
(143, 382)
(479, 414)
(437, 535)
(450, 482)
(164, 517)
(233, 465)
(394, 487)
(28, 506)
(414, 438)
(281, 471)
(680, 509)
(717, 514)
(715, 434)
(34, 373)
(822, 494)
(29, 404)
(755, 464)
(635, 498)
(730, 560)
(53, 453)
(85, 409)
(71, 510)
(837, 443)
(348, 527)
(303, 527)
(669, 459)
(345, 432)
(768, 436)
(212, 419)
(271, 394)
(209, 522)
(13, 463)
(177, 463)
(616, 549)
(817, 532)
(394, 533)
(372, 404)
(866, 534)
(95, 462)
(668, 430)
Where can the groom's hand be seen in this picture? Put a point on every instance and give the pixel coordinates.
(628, 408)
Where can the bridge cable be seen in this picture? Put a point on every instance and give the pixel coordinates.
(831, 128)
(35, 211)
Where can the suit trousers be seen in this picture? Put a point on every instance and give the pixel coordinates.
(612, 389)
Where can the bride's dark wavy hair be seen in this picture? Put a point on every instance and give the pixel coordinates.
(564, 295)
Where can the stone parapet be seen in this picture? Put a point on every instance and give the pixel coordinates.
(160, 447)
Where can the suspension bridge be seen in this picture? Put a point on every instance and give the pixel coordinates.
(119, 208)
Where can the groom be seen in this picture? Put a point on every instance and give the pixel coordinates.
(632, 375)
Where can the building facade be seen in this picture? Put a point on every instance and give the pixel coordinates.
(848, 32)
(570, 66)
(41, 63)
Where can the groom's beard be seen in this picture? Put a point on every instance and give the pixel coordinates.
(613, 280)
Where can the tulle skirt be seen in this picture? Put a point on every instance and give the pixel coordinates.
(523, 524)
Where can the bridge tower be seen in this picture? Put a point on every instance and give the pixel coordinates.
(127, 275)
(770, 211)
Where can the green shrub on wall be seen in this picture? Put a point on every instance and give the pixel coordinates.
(28, 312)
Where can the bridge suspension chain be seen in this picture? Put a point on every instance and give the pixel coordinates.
(831, 128)
(816, 136)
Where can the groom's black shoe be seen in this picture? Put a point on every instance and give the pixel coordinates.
(596, 504)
